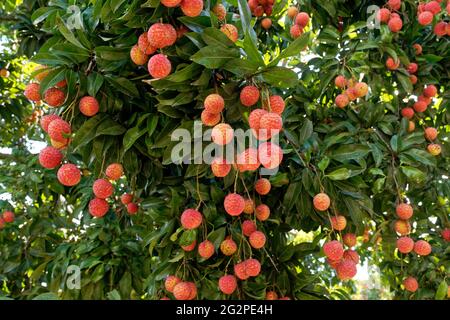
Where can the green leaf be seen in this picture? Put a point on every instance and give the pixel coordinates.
(94, 83)
(441, 291)
(240, 67)
(350, 152)
(419, 155)
(413, 174)
(123, 85)
(67, 33)
(41, 14)
(293, 49)
(215, 37)
(214, 57)
(52, 79)
(339, 174)
(87, 131)
(280, 77)
(46, 296)
(251, 49)
(405, 82)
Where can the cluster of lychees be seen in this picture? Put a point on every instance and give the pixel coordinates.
(6, 217)
(53, 97)
(387, 15)
(300, 21)
(352, 90)
(261, 7)
(190, 8)
(426, 12)
(405, 244)
(343, 261)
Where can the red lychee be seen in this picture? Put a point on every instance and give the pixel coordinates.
(102, 188)
(32, 92)
(433, 6)
(159, 66)
(404, 211)
(227, 284)
(421, 247)
(349, 239)
(271, 123)
(333, 250)
(89, 106)
(54, 97)
(132, 208)
(352, 255)
(59, 130)
(431, 133)
(170, 3)
(321, 201)
(270, 155)
(69, 175)
(248, 227)
(446, 234)
(98, 207)
(189, 247)
(138, 56)
(8, 216)
(296, 31)
(50, 157)
(394, 4)
(252, 267)
(292, 12)
(206, 249)
(405, 244)
(222, 134)
(257, 239)
(220, 167)
(255, 117)
(413, 79)
(383, 15)
(434, 149)
(342, 100)
(402, 227)
(114, 171)
(249, 96)
(45, 121)
(262, 212)
(392, 64)
(271, 295)
(277, 104)
(263, 186)
(144, 45)
(395, 24)
(266, 23)
(182, 291)
(234, 204)
(346, 269)
(228, 247)
(170, 282)
(411, 284)
(210, 119)
(302, 19)
(412, 67)
(191, 219)
(340, 82)
(230, 31)
(408, 113)
(425, 18)
(161, 35)
(430, 91)
(214, 103)
(240, 271)
(220, 11)
(126, 198)
(192, 8)
(417, 48)
(338, 222)
(249, 206)
(248, 160)
(420, 106)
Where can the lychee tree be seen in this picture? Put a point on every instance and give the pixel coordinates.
(356, 97)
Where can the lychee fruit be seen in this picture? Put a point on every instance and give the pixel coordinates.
(257, 239)
(54, 97)
(404, 211)
(338, 222)
(352, 255)
(342, 100)
(433, 6)
(228, 247)
(333, 250)
(425, 18)
(411, 284)
(249, 206)
(277, 104)
(132, 208)
(230, 31)
(431, 133)
(405, 244)
(45, 121)
(32, 92)
(420, 106)
(126, 198)
(170, 4)
(145, 46)
(69, 175)
(426, 100)
(114, 171)
(102, 188)
(89, 106)
(413, 79)
(270, 155)
(430, 91)
(159, 66)
(59, 144)
(8, 216)
(262, 212)
(220, 11)
(252, 267)
(346, 269)
(192, 8)
(302, 19)
(271, 295)
(227, 284)
(220, 167)
(434, 149)
(394, 4)
(266, 23)
(182, 291)
(222, 134)
(292, 12)
(270, 123)
(98, 207)
(248, 227)
(408, 113)
(340, 82)
(249, 96)
(321, 201)
(138, 56)
(395, 24)
(417, 48)
(189, 247)
(210, 119)
(206, 249)
(214, 103)
(263, 186)
(248, 160)
(50, 157)
(411, 126)
(383, 15)
(421, 247)
(170, 282)
(446, 234)
(412, 67)
(191, 219)
(255, 117)
(161, 35)
(240, 271)
(402, 227)
(59, 130)
(349, 239)
(234, 204)
(392, 64)
(296, 31)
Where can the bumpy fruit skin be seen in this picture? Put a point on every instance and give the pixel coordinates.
(114, 171)
(248, 227)
(417, 48)
(349, 239)
(170, 3)
(430, 91)
(383, 15)
(446, 234)
(425, 18)
(222, 134)
(145, 46)
(252, 267)
(230, 31)
(89, 106)
(249, 206)
(206, 249)
(228, 247)
(338, 222)
(249, 96)
(277, 104)
(434, 149)
(54, 97)
(182, 291)
(391, 64)
(220, 11)
(321, 201)
(333, 263)
(8, 216)
(189, 247)
(302, 19)
(59, 129)
(240, 271)
(270, 155)
(227, 284)
(32, 92)
(420, 106)
(214, 103)
(132, 208)
(346, 270)
(395, 24)
(191, 219)
(394, 4)
(333, 250)
(262, 212)
(361, 89)
(161, 35)
(126, 198)
(342, 100)
(220, 167)
(296, 31)
(421, 247)
(292, 12)
(45, 121)
(413, 79)
(59, 144)
(271, 123)
(192, 8)
(408, 113)
(402, 227)
(50, 157)
(102, 188)
(257, 239)
(431, 133)
(170, 282)
(405, 244)
(271, 295)
(433, 6)
(159, 66)
(98, 207)
(426, 100)
(234, 204)
(266, 23)
(248, 160)
(411, 284)
(138, 56)
(352, 255)
(340, 82)
(254, 120)
(404, 211)
(411, 126)
(210, 119)
(69, 175)
(263, 186)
